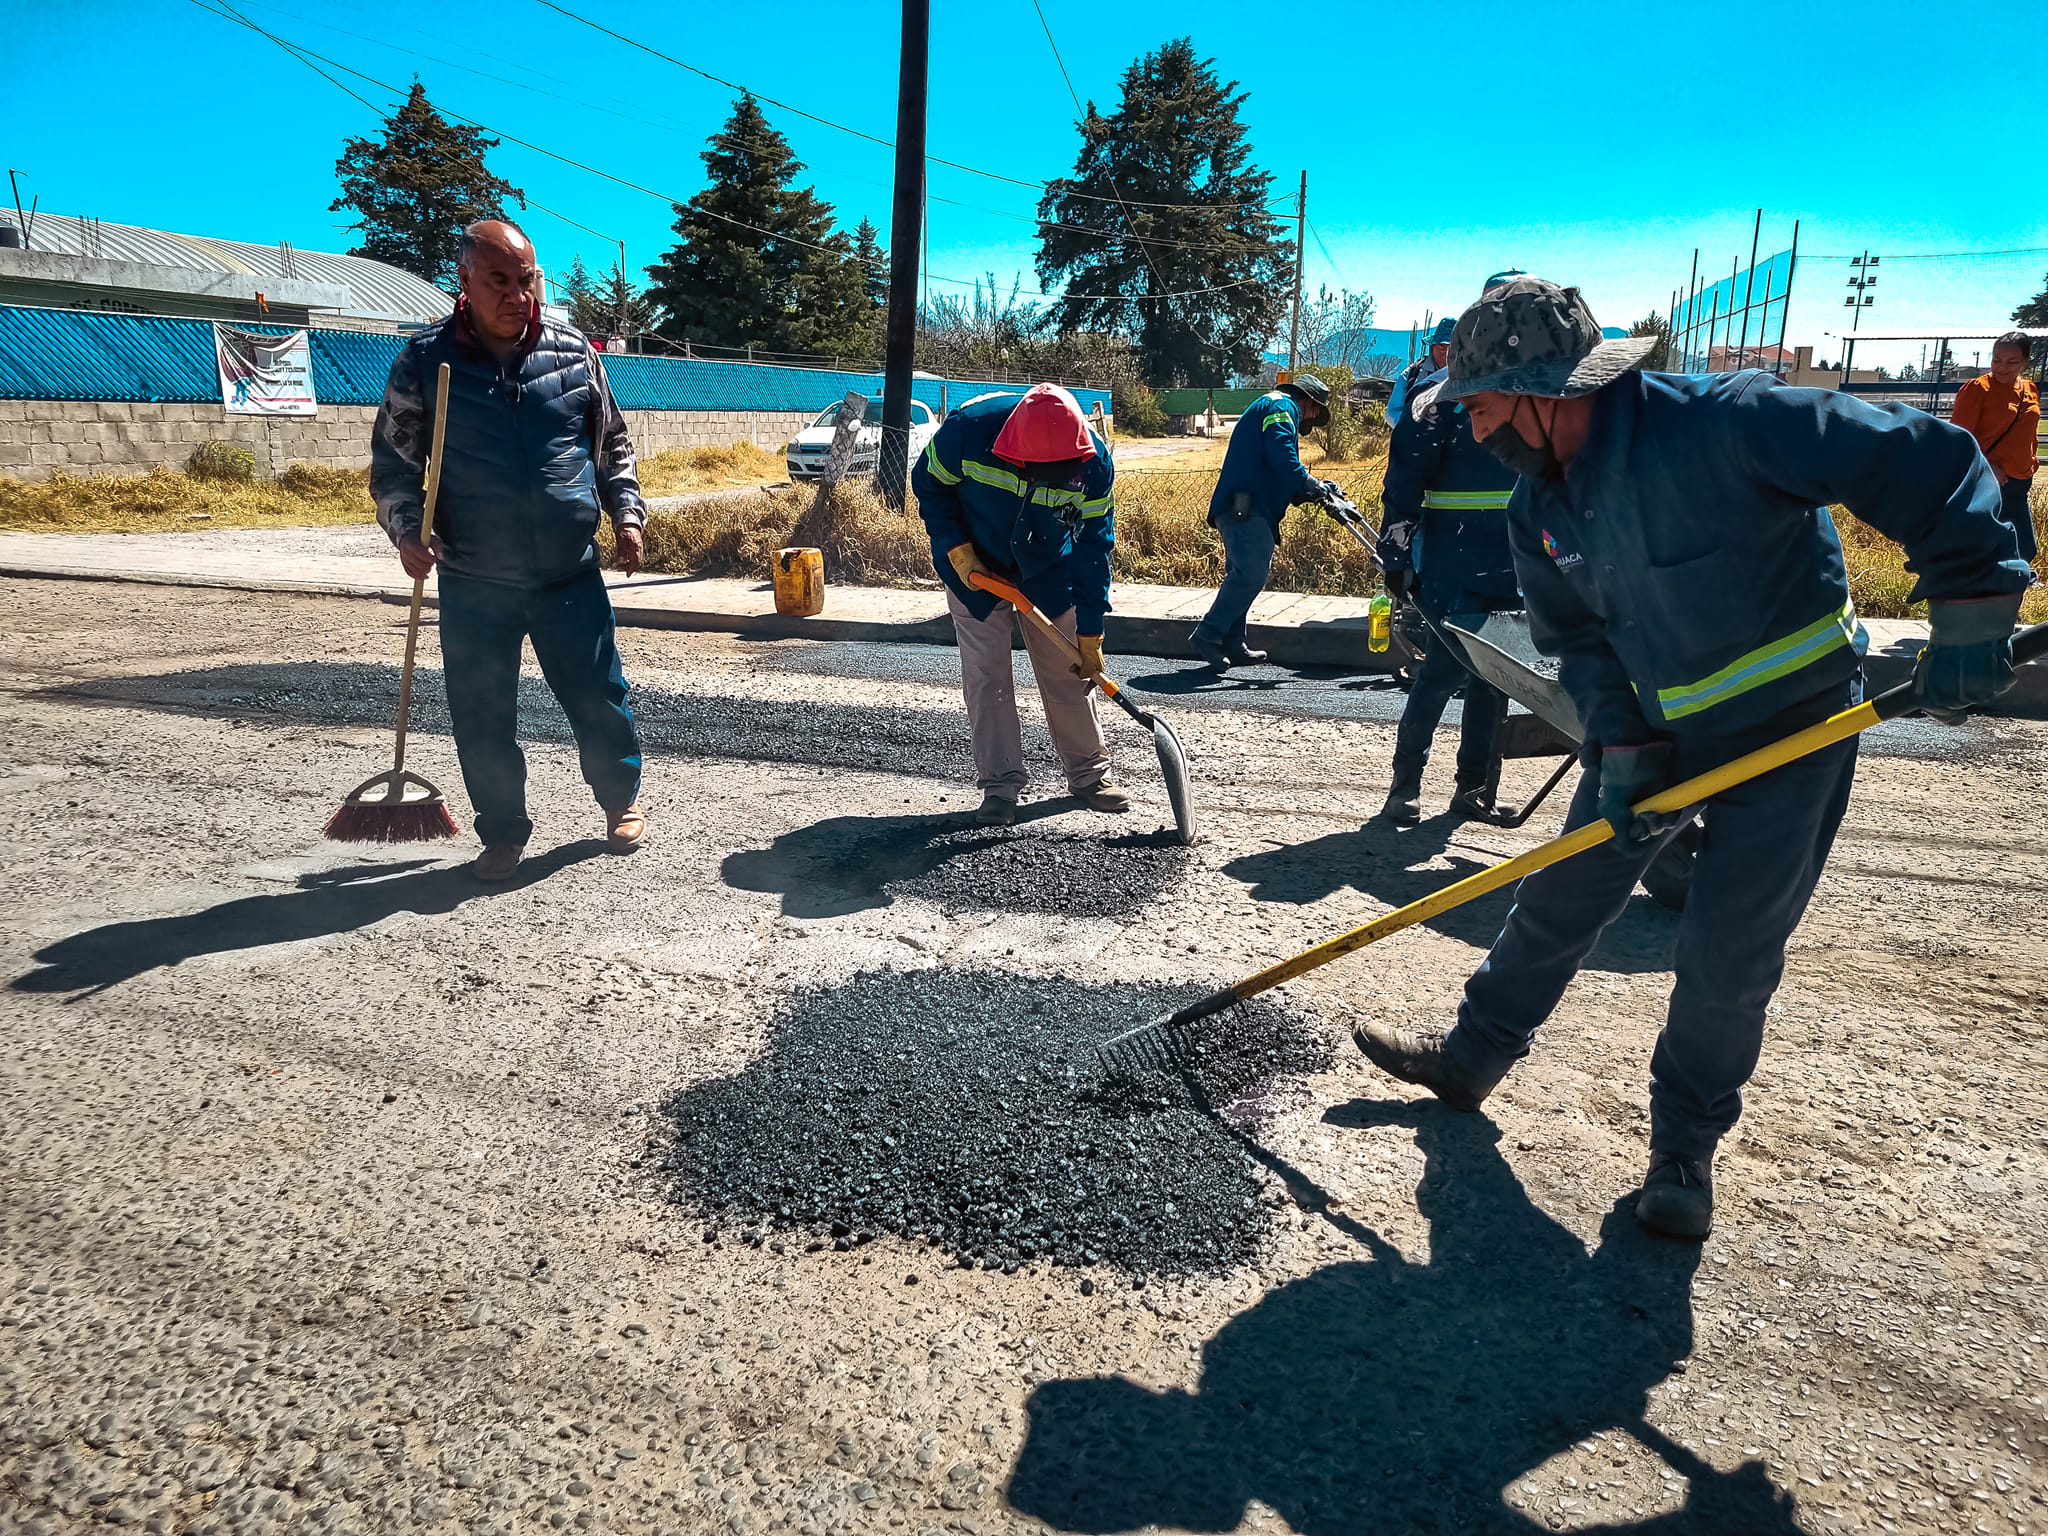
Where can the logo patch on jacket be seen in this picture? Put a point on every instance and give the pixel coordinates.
(1565, 559)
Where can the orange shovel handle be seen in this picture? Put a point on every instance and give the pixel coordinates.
(997, 587)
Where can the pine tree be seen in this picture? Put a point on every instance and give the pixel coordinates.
(1164, 199)
(759, 262)
(874, 263)
(586, 309)
(1654, 324)
(2035, 310)
(416, 186)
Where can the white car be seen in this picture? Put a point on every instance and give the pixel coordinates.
(811, 449)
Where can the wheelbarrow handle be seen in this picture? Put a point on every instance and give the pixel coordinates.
(996, 587)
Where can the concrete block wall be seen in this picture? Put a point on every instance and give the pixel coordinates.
(84, 437)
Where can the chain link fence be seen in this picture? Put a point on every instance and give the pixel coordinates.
(1163, 534)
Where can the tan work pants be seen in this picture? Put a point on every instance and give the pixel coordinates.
(991, 691)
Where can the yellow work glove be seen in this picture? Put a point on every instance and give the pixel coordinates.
(1091, 655)
(966, 560)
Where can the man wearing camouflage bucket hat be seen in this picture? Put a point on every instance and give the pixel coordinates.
(1672, 538)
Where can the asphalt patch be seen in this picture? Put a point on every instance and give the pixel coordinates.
(851, 863)
(966, 1110)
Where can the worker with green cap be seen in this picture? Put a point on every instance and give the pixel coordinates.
(1422, 372)
(1262, 477)
(1672, 538)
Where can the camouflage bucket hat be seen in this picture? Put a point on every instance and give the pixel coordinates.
(1530, 337)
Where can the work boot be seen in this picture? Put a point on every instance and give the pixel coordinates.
(1104, 795)
(1212, 653)
(1472, 802)
(1419, 1057)
(1242, 655)
(498, 862)
(624, 830)
(996, 811)
(1678, 1196)
(1404, 798)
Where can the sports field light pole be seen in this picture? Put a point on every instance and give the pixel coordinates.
(892, 464)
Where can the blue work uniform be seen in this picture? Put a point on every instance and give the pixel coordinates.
(1262, 477)
(1687, 576)
(1415, 378)
(1445, 519)
(1046, 529)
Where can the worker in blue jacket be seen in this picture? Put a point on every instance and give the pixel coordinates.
(1262, 477)
(1674, 546)
(1421, 373)
(1019, 488)
(1444, 542)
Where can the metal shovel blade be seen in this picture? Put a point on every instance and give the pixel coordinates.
(1173, 767)
(1542, 696)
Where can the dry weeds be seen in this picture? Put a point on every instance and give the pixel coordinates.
(709, 469)
(170, 501)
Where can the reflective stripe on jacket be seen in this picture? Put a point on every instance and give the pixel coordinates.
(1445, 504)
(535, 451)
(1052, 538)
(1686, 571)
(1262, 463)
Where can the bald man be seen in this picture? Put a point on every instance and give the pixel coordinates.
(535, 453)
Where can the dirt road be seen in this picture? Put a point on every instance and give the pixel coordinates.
(340, 1194)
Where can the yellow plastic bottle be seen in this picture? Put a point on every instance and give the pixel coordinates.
(1379, 618)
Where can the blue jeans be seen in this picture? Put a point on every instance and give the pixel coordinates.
(2014, 504)
(482, 625)
(1438, 678)
(1247, 562)
(1763, 846)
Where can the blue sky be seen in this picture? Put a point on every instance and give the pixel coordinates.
(1592, 142)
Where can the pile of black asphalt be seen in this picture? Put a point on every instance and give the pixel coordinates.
(967, 1110)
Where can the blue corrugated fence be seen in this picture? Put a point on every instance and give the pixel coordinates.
(64, 354)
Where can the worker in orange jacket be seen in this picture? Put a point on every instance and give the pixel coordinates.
(2002, 411)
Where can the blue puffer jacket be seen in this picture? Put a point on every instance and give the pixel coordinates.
(1051, 538)
(1686, 572)
(1262, 464)
(535, 453)
(1446, 507)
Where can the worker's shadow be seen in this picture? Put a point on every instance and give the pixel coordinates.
(852, 863)
(1389, 1396)
(1381, 860)
(327, 902)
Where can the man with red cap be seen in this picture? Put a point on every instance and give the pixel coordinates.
(1018, 487)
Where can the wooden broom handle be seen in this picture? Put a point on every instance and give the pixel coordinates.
(419, 584)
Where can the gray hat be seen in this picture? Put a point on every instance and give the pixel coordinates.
(1530, 337)
(1310, 388)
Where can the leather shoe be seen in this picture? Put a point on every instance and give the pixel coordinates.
(498, 862)
(1678, 1196)
(1242, 655)
(1472, 803)
(996, 811)
(1418, 1057)
(1404, 800)
(625, 830)
(1215, 655)
(1107, 795)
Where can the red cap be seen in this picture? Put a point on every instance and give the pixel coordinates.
(1044, 427)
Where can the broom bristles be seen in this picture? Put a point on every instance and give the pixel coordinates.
(420, 822)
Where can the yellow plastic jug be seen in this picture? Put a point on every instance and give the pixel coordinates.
(1379, 617)
(799, 582)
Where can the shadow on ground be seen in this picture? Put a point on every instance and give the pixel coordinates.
(1388, 1396)
(1074, 867)
(328, 902)
(1379, 858)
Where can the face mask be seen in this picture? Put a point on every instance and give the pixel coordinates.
(1508, 445)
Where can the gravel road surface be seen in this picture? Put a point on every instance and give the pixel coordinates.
(339, 1193)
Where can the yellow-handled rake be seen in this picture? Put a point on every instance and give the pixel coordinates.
(1165, 1042)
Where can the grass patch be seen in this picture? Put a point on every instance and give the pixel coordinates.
(864, 542)
(709, 469)
(1163, 534)
(173, 501)
(1879, 580)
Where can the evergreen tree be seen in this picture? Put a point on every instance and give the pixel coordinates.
(586, 309)
(874, 263)
(415, 187)
(1654, 324)
(1164, 199)
(759, 262)
(2035, 310)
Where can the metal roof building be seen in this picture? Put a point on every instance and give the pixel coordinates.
(74, 263)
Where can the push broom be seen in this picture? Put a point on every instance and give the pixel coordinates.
(1166, 1043)
(402, 807)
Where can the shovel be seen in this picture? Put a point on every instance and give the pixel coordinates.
(1164, 1043)
(1173, 758)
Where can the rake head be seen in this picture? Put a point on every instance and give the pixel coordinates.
(1171, 1042)
(394, 807)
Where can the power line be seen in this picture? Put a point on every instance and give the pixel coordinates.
(307, 56)
(731, 85)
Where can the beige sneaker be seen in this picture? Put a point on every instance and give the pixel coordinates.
(498, 862)
(1108, 795)
(625, 830)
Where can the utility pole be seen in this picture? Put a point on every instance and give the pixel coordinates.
(1300, 219)
(619, 293)
(892, 463)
